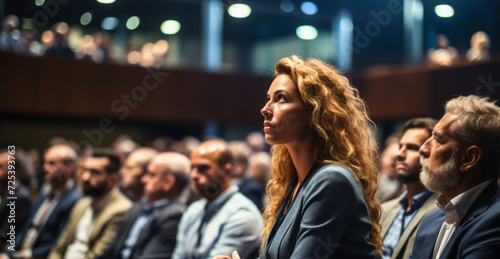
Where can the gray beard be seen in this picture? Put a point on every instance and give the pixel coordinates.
(442, 178)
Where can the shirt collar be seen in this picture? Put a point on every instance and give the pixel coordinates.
(417, 201)
(223, 197)
(148, 207)
(57, 194)
(458, 206)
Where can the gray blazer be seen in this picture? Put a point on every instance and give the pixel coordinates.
(328, 219)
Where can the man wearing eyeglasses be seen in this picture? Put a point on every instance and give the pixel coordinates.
(50, 211)
(94, 220)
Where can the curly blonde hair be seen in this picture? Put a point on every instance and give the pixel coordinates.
(341, 135)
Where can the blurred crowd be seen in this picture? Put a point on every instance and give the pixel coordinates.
(21, 38)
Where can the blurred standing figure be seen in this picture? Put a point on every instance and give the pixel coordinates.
(444, 55)
(50, 211)
(10, 38)
(479, 47)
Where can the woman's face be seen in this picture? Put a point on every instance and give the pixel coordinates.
(286, 119)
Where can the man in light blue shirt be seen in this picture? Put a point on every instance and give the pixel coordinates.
(223, 220)
(148, 230)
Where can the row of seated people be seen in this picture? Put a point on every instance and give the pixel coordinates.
(106, 224)
(158, 183)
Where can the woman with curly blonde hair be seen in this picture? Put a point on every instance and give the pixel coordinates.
(322, 195)
(322, 192)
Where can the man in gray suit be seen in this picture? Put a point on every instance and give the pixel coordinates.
(402, 216)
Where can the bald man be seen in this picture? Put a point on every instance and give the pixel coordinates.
(222, 221)
(148, 230)
(132, 170)
(51, 211)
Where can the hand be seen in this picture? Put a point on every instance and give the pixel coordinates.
(235, 255)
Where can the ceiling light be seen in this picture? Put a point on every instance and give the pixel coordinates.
(106, 1)
(170, 27)
(109, 23)
(86, 18)
(444, 11)
(133, 22)
(239, 10)
(306, 32)
(309, 8)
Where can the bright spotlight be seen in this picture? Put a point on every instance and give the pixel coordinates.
(86, 18)
(109, 23)
(309, 8)
(170, 27)
(133, 22)
(306, 32)
(106, 1)
(444, 11)
(239, 10)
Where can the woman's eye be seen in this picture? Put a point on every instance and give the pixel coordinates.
(281, 98)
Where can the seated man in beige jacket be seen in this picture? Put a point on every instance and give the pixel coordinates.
(94, 220)
(402, 216)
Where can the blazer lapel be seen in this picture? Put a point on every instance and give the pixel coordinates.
(427, 234)
(428, 206)
(480, 205)
(391, 214)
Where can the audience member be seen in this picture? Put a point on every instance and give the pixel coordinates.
(149, 229)
(60, 45)
(15, 197)
(322, 190)
(50, 211)
(10, 38)
(402, 216)
(123, 146)
(389, 186)
(444, 55)
(259, 167)
(256, 142)
(133, 169)
(246, 185)
(460, 161)
(223, 220)
(479, 47)
(94, 220)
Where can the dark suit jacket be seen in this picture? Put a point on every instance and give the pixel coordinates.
(157, 239)
(252, 190)
(328, 219)
(50, 231)
(476, 236)
(22, 207)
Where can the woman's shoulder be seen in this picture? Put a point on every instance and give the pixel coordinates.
(333, 172)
